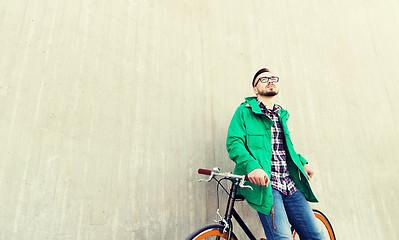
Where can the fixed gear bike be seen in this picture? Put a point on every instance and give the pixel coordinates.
(224, 228)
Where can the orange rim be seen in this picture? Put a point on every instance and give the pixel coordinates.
(325, 222)
(211, 232)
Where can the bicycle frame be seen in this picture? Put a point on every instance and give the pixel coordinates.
(231, 212)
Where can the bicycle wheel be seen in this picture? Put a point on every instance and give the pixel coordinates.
(214, 231)
(326, 225)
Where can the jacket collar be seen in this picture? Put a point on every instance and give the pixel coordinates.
(253, 104)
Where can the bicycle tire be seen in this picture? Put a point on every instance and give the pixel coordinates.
(214, 231)
(326, 223)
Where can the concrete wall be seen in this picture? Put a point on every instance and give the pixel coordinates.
(107, 109)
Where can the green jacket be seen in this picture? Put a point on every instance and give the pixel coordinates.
(249, 146)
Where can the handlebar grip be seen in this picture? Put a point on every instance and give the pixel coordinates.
(204, 171)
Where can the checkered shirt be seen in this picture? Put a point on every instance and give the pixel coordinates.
(280, 179)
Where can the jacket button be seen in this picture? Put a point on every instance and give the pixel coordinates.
(247, 105)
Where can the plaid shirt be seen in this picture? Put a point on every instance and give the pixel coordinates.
(280, 179)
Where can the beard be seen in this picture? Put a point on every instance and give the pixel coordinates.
(269, 93)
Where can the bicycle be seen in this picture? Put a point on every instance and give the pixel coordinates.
(224, 227)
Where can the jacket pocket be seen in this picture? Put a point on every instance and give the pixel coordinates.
(254, 196)
(256, 141)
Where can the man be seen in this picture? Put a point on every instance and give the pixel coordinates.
(259, 142)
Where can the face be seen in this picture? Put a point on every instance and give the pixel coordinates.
(267, 87)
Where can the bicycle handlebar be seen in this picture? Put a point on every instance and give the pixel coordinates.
(215, 172)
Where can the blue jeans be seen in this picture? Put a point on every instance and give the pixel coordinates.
(291, 209)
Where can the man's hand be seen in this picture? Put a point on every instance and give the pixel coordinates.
(309, 172)
(258, 177)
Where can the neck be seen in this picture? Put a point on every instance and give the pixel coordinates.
(268, 101)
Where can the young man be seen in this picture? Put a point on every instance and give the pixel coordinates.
(259, 142)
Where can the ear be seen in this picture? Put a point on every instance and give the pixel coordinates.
(255, 90)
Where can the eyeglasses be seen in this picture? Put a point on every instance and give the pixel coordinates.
(267, 79)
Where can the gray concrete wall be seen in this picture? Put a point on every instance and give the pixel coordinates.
(107, 109)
